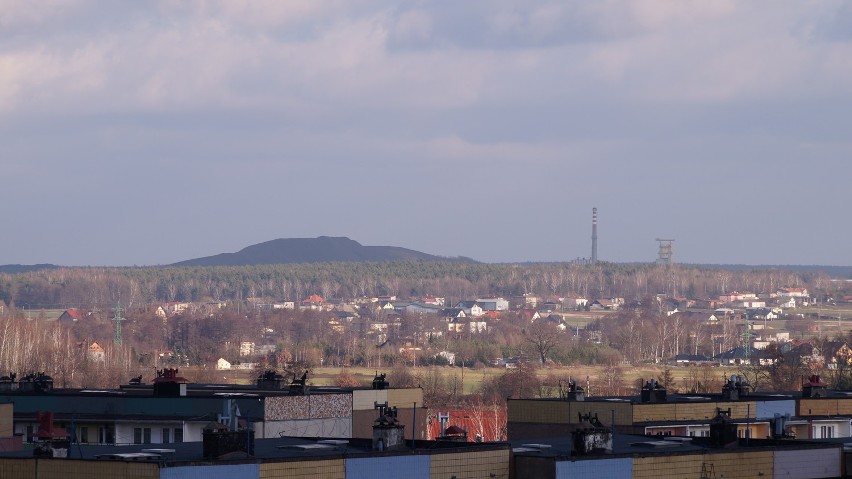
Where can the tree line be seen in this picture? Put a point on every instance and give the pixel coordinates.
(104, 287)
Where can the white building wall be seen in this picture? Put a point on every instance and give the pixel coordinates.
(327, 427)
(807, 464)
(124, 433)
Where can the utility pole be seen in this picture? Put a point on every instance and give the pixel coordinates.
(117, 319)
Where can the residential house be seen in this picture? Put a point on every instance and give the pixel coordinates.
(467, 325)
(176, 307)
(313, 301)
(607, 304)
(733, 357)
(753, 303)
(70, 316)
(246, 348)
(447, 356)
(691, 359)
(556, 320)
(95, 352)
(471, 308)
(736, 296)
(529, 315)
(493, 304)
(223, 364)
(434, 301)
(574, 302)
(793, 293)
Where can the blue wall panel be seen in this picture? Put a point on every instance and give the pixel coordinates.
(391, 467)
(767, 409)
(610, 469)
(237, 471)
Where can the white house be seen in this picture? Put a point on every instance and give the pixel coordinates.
(471, 308)
(222, 364)
(493, 304)
(246, 348)
(793, 293)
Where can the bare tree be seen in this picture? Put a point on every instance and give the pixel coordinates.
(543, 336)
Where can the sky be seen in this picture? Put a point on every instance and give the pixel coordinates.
(145, 133)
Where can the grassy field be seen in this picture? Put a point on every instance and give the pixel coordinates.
(48, 314)
(472, 379)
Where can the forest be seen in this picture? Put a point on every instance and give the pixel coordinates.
(101, 287)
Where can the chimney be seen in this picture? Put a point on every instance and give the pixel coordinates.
(653, 392)
(218, 441)
(50, 441)
(270, 379)
(814, 388)
(388, 433)
(299, 386)
(227, 436)
(574, 392)
(379, 381)
(592, 437)
(169, 384)
(723, 431)
(36, 382)
(735, 389)
(7, 383)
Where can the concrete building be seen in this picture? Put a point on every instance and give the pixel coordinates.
(172, 410)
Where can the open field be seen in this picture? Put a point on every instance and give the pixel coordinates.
(473, 378)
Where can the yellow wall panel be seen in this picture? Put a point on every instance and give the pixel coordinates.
(818, 407)
(6, 423)
(844, 406)
(751, 464)
(76, 469)
(17, 467)
(549, 412)
(654, 412)
(624, 412)
(470, 465)
(739, 410)
(364, 399)
(405, 397)
(324, 469)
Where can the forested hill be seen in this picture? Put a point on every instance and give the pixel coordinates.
(313, 250)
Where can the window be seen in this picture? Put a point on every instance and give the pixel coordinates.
(137, 435)
(165, 438)
(146, 435)
(29, 434)
(106, 435)
(84, 434)
(178, 434)
(827, 432)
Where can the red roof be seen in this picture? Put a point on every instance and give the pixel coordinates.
(74, 313)
(314, 298)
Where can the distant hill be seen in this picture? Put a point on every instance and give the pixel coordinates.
(313, 250)
(24, 268)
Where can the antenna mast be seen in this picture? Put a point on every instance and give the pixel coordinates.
(594, 258)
